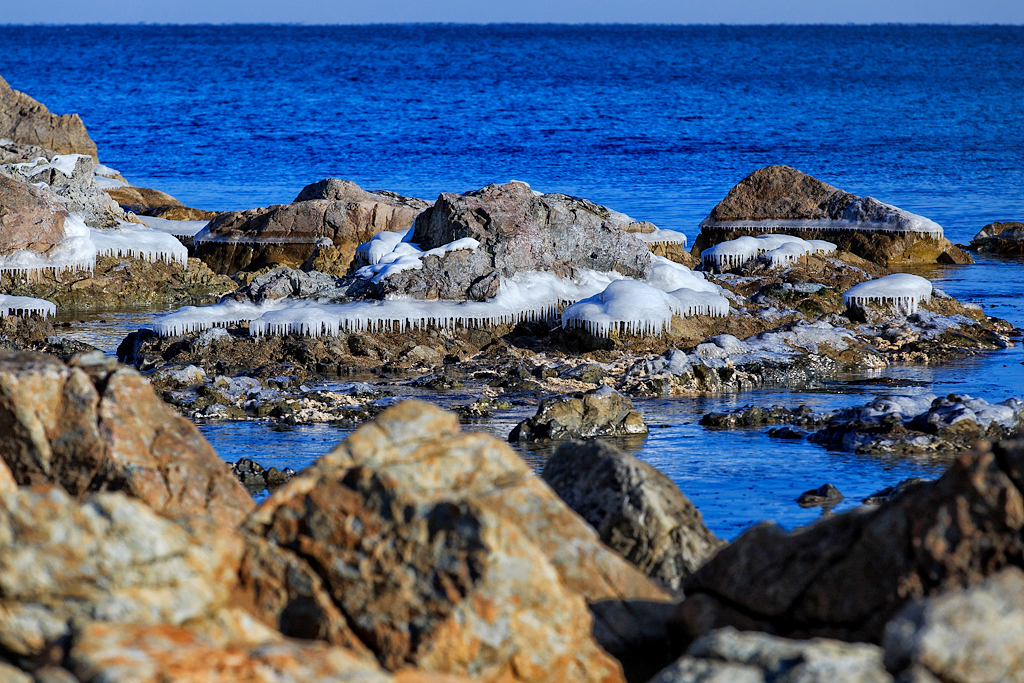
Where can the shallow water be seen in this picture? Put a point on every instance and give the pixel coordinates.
(658, 122)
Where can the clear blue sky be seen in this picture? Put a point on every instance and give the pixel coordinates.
(483, 11)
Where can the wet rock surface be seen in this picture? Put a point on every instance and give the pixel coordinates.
(636, 510)
(789, 201)
(1000, 238)
(602, 412)
(27, 121)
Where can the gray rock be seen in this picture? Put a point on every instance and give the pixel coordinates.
(30, 217)
(289, 282)
(970, 635)
(601, 412)
(78, 192)
(27, 121)
(728, 655)
(1000, 238)
(636, 509)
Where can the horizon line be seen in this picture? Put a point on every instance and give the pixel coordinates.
(857, 24)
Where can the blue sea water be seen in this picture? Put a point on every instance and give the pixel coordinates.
(655, 121)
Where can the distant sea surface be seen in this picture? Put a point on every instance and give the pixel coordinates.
(655, 121)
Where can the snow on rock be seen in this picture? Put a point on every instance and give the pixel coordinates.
(779, 250)
(26, 305)
(130, 239)
(196, 318)
(668, 275)
(661, 236)
(901, 290)
(76, 251)
(380, 245)
(176, 228)
(388, 253)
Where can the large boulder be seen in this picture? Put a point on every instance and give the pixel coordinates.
(470, 538)
(970, 635)
(30, 218)
(636, 509)
(1000, 238)
(601, 412)
(780, 199)
(332, 212)
(27, 121)
(94, 426)
(846, 576)
(518, 230)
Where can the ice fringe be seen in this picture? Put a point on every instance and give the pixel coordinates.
(661, 236)
(900, 220)
(778, 249)
(180, 229)
(902, 290)
(26, 304)
(82, 244)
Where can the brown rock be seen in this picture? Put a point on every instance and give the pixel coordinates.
(108, 558)
(27, 121)
(636, 509)
(1000, 238)
(30, 218)
(416, 455)
(846, 576)
(780, 199)
(287, 234)
(601, 412)
(95, 426)
(7, 482)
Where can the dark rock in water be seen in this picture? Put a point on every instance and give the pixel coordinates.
(780, 199)
(1000, 238)
(518, 231)
(601, 412)
(731, 656)
(786, 433)
(27, 121)
(826, 494)
(256, 479)
(636, 509)
(890, 492)
(334, 210)
(30, 217)
(755, 416)
(848, 575)
(92, 426)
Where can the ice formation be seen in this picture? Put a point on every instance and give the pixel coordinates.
(65, 163)
(661, 236)
(898, 220)
(902, 290)
(389, 253)
(778, 249)
(637, 308)
(81, 245)
(524, 297)
(176, 228)
(25, 304)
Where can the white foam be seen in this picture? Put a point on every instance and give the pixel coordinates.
(176, 228)
(25, 304)
(777, 249)
(902, 290)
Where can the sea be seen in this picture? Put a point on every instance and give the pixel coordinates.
(655, 121)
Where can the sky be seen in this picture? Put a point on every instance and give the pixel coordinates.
(482, 11)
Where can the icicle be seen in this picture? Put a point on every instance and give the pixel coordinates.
(25, 304)
(902, 290)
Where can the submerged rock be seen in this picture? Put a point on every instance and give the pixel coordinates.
(27, 121)
(338, 211)
(1000, 238)
(601, 412)
(780, 199)
(825, 495)
(636, 509)
(848, 575)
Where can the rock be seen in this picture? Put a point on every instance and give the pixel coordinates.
(148, 202)
(756, 416)
(27, 121)
(728, 656)
(287, 234)
(826, 494)
(970, 635)
(1000, 238)
(65, 563)
(483, 503)
(30, 218)
(517, 231)
(636, 509)
(7, 482)
(781, 199)
(846, 576)
(288, 282)
(890, 492)
(601, 412)
(73, 181)
(93, 426)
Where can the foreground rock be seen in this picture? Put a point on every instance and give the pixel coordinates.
(846, 576)
(1000, 238)
(636, 509)
(27, 121)
(93, 426)
(484, 542)
(728, 656)
(601, 412)
(781, 199)
(332, 210)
